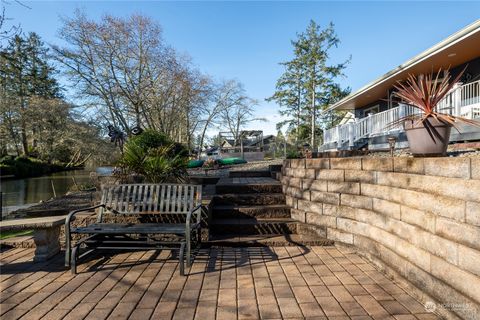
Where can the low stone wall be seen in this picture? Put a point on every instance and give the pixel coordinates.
(418, 219)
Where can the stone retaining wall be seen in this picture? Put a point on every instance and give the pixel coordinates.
(417, 218)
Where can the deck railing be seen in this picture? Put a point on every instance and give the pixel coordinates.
(463, 100)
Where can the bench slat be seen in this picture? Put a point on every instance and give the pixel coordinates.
(123, 228)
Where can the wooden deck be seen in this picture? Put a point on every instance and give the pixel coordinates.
(224, 283)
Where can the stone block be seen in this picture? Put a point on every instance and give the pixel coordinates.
(463, 281)
(289, 172)
(413, 254)
(297, 163)
(291, 201)
(298, 215)
(360, 176)
(320, 220)
(475, 168)
(330, 210)
(370, 217)
(440, 205)
(469, 259)
(47, 243)
(286, 163)
(464, 189)
(346, 163)
(343, 187)
(436, 245)
(307, 184)
(340, 211)
(422, 219)
(387, 208)
(356, 201)
(294, 192)
(333, 175)
(408, 165)
(377, 164)
(306, 195)
(458, 167)
(325, 197)
(304, 173)
(310, 206)
(376, 191)
(472, 213)
(289, 181)
(319, 185)
(336, 235)
(459, 232)
(394, 179)
(317, 163)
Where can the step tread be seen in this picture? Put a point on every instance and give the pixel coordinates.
(267, 240)
(247, 206)
(252, 221)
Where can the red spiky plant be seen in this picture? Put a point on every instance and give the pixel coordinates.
(425, 93)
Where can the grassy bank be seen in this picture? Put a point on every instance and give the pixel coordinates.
(23, 167)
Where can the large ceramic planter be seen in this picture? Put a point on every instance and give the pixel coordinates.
(429, 138)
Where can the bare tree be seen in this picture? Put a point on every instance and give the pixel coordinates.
(239, 111)
(125, 69)
(6, 32)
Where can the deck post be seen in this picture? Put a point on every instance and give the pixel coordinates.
(351, 135)
(457, 101)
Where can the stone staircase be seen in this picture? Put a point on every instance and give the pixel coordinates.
(249, 210)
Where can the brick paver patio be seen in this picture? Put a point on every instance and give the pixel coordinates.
(224, 283)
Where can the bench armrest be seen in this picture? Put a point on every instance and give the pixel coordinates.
(197, 209)
(74, 212)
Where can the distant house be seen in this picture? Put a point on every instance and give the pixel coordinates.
(375, 106)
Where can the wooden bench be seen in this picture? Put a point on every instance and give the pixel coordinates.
(46, 232)
(167, 216)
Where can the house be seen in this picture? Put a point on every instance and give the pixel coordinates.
(375, 106)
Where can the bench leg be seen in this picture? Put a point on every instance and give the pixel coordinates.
(189, 250)
(73, 261)
(68, 249)
(181, 258)
(47, 243)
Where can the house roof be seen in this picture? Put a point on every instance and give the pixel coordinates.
(455, 50)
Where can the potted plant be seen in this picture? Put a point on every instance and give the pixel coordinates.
(428, 132)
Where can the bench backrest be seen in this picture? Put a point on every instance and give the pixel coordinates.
(152, 198)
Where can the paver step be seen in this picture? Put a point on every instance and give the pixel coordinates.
(239, 199)
(249, 174)
(225, 186)
(253, 226)
(251, 212)
(267, 240)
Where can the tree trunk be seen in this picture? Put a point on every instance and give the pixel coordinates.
(312, 140)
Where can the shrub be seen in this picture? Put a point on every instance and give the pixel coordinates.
(154, 156)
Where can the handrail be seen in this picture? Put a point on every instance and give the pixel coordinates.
(462, 100)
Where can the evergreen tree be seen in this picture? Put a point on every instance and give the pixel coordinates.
(309, 84)
(25, 73)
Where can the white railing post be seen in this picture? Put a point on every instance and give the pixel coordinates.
(457, 100)
(351, 134)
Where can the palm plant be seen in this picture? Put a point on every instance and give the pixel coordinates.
(157, 163)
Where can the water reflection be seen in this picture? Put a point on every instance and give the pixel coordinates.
(20, 192)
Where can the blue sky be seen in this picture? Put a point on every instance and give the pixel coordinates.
(247, 40)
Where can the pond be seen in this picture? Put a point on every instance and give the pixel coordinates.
(20, 193)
